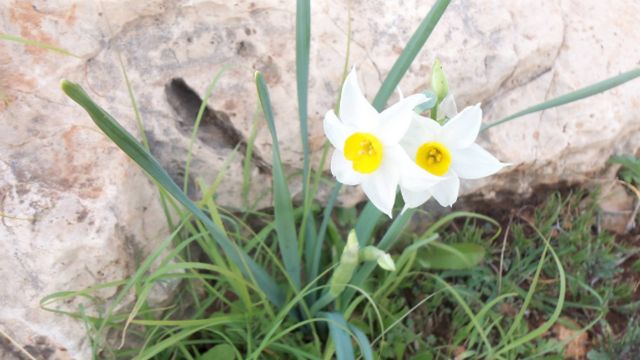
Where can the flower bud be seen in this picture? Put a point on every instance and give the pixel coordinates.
(386, 262)
(347, 266)
(372, 253)
(439, 82)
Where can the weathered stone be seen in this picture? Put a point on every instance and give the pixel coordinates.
(81, 213)
(618, 208)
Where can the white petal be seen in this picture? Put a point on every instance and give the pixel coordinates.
(475, 162)
(335, 130)
(421, 130)
(413, 199)
(447, 108)
(446, 191)
(381, 185)
(462, 130)
(395, 120)
(355, 110)
(342, 169)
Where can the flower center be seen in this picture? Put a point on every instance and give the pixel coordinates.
(365, 151)
(434, 157)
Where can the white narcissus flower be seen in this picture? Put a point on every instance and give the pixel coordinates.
(367, 150)
(447, 150)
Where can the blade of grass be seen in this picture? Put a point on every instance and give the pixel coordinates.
(529, 297)
(247, 163)
(168, 342)
(409, 53)
(571, 97)
(303, 37)
(316, 252)
(542, 329)
(151, 166)
(37, 44)
(473, 318)
(196, 124)
(284, 217)
(164, 198)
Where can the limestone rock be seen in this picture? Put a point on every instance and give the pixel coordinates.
(77, 212)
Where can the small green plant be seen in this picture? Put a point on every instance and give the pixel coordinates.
(630, 171)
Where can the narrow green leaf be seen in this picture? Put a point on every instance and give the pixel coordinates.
(316, 253)
(363, 342)
(338, 328)
(468, 311)
(459, 256)
(572, 96)
(542, 329)
(409, 53)
(303, 38)
(284, 217)
(367, 221)
(38, 44)
(222, 351)
(127, 143)
(196, 125)
(168, 342)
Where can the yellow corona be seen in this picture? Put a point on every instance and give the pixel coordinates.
(434, 157)
(365, 152)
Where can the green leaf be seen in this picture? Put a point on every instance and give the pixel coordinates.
(285, 220)
(303, 37)
(363, 342)
(509, 342)
(458, 256)
(127, 143)
(368, 219)
(409, 53)
(571, 97)
(338, 328)
(196, 125)
(160, 346)
(313, 254)
(222, 351)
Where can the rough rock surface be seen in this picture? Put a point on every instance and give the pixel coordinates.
(77, 212)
